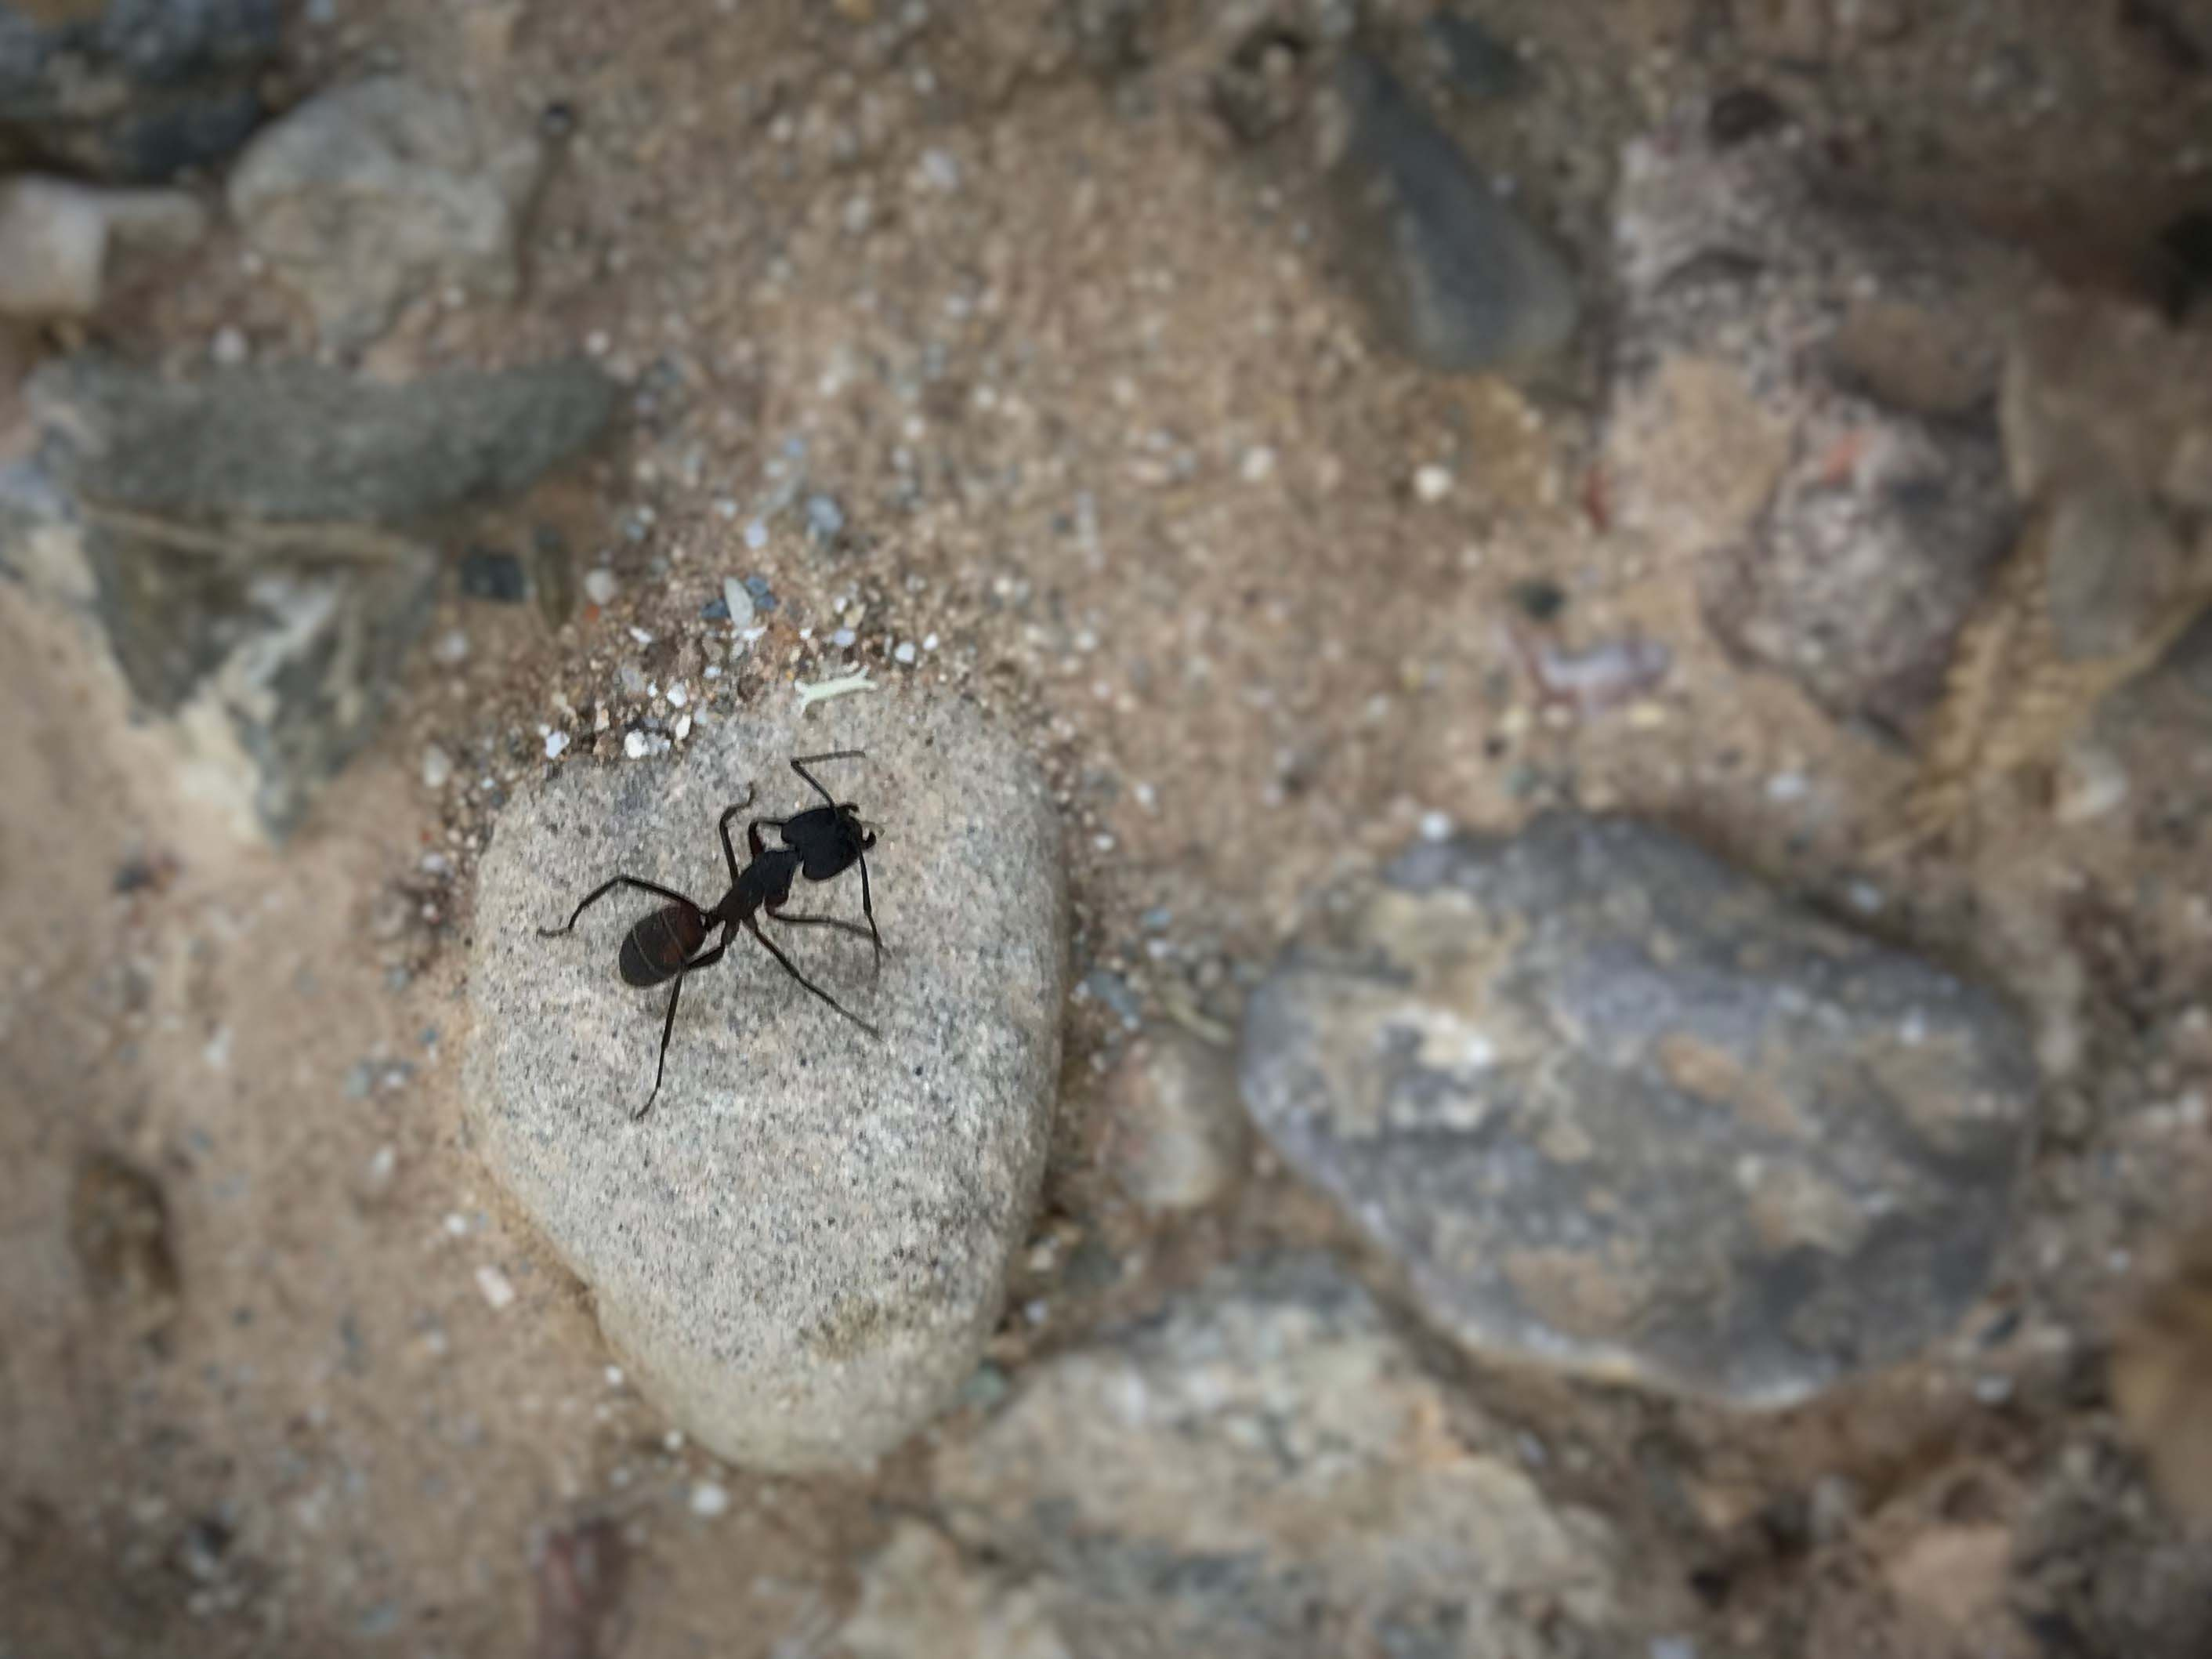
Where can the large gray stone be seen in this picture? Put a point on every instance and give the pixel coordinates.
(135, 90)
(1621, 1108)
(222, 543)
(302, 442)
(1262, 1468)
(1802, 398)
(800, 1250)
(264, 655)
(380, 192)
(1451, 274)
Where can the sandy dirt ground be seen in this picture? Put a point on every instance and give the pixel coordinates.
(1113, 455)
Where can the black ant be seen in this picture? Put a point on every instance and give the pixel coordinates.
(820, 843)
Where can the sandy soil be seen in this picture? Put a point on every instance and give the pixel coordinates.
(1101, 425)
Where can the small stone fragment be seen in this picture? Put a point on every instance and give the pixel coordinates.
(380, 192)
(1451, 275)
(1175, 1132)
(57, 240)
(488, 573)
(1262, 1467)
(1796, 402)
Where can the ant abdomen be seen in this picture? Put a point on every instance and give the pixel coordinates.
(660, 943)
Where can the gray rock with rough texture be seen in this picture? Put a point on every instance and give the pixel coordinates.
(221, 541)
(801, 1249)
(302, 442)
(1261, 1469)
(1621, 1108)
(135, 90)
(1452, 275)
(1175, 1132)
(380, 192)
(1801, 399)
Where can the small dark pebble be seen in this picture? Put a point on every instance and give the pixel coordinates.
(200, 1552)
(1746, 112)
(1999, 1331)
(558, 121)
(763, 597)
(1114, 991)
(714, 610)
(487, 573)
(1538, 599)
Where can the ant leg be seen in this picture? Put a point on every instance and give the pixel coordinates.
(705, 959)
(769, 944)
(753, 834)
(868, 909)
(801, 762)
(852, 928)
(722, 826)
(605, 888)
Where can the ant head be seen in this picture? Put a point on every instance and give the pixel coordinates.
(848, 817)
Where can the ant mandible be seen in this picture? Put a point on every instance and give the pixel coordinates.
(820, 844)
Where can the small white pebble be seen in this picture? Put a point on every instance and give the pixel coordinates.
(437, 768)
(456, 1223)
(844, 637)
(678, 697)
(601, 586)
(596, 343)
(709, 1499)
(713, 672)
(452, 648)
(641, 636)
(929, 642)
(1788, 786)
(555, 743)
(498, 1289)
(614, 1376)
(1433, 484)
(755, 535)
(905, 654)
(228, 347)
(942, 169)
(1673, 1647)
(1436, 826)
(1258, 464)
(683, 727)
(636, 745)
(739, 601)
